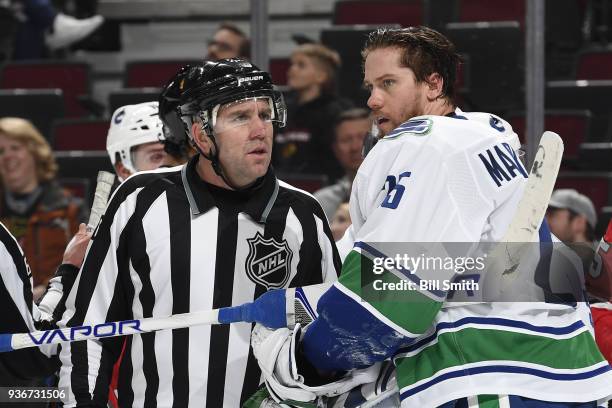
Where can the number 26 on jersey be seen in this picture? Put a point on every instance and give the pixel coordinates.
(395, 190)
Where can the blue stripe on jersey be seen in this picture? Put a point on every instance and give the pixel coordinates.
(346, 335)
(299, 293)
(5, 342)
(407, 273)
(495, 321)
(517, 401)
(413, 126)
(463, 372)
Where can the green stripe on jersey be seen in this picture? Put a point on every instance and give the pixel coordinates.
(471, 345)
(488, 401)
(409, 309)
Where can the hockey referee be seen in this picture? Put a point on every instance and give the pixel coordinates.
(218, 231)
(21, 368)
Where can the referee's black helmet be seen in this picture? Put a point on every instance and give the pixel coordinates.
(175, 136)
(197, 90)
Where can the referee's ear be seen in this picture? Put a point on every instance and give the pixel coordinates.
(200, 138)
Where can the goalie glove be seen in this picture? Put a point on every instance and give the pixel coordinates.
(276, 354)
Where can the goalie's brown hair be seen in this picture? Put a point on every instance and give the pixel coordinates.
(424, 50)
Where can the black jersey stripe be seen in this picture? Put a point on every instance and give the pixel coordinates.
(222, 297)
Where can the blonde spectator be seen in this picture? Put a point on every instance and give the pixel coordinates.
(38, 212)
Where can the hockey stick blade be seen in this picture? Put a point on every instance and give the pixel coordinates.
(503, 261)
(540, 184)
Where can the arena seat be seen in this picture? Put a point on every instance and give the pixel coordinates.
(80, 134)
(40, 106)
(595, 185)
(594, 63)
(132, 96)
(572, 125)
(481, 10)
(491, 47)
(348, 41)
(403, 12)
(596, 156)
(278, 70)
(152, 73)
(73, 78)
(583, 94)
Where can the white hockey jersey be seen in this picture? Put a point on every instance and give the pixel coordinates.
(448, 179)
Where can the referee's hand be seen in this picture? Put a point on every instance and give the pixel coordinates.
(75, 250)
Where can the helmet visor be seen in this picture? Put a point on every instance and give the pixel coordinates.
(248, 111)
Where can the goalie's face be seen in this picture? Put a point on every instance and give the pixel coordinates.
(395, 94)
(243, 132)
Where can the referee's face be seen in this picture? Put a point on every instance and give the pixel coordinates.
(244, 138)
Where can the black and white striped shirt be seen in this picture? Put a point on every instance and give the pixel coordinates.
(18, 314)
(170, 243)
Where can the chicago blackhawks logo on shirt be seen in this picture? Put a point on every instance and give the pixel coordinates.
(268, 262)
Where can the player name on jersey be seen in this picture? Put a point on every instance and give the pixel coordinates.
(502, 163)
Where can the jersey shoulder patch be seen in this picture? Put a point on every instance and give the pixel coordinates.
(417, 127)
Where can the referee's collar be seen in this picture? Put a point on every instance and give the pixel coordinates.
(258, 204)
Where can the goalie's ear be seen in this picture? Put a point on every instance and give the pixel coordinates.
(435, 86)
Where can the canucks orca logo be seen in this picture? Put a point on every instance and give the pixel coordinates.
(268, 262)
(496, 124)
(119, 116)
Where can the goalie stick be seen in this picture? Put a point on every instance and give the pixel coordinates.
(277, 308)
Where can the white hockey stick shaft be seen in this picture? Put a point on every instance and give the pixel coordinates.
(104, 184)
(10, 342)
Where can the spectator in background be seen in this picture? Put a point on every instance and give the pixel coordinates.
(340, 221)
(38, 212)
(312, 107)
(229, 42)
(350, 130)
(41, 24)
(571, 216)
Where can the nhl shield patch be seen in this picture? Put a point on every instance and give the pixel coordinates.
(268, 262)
